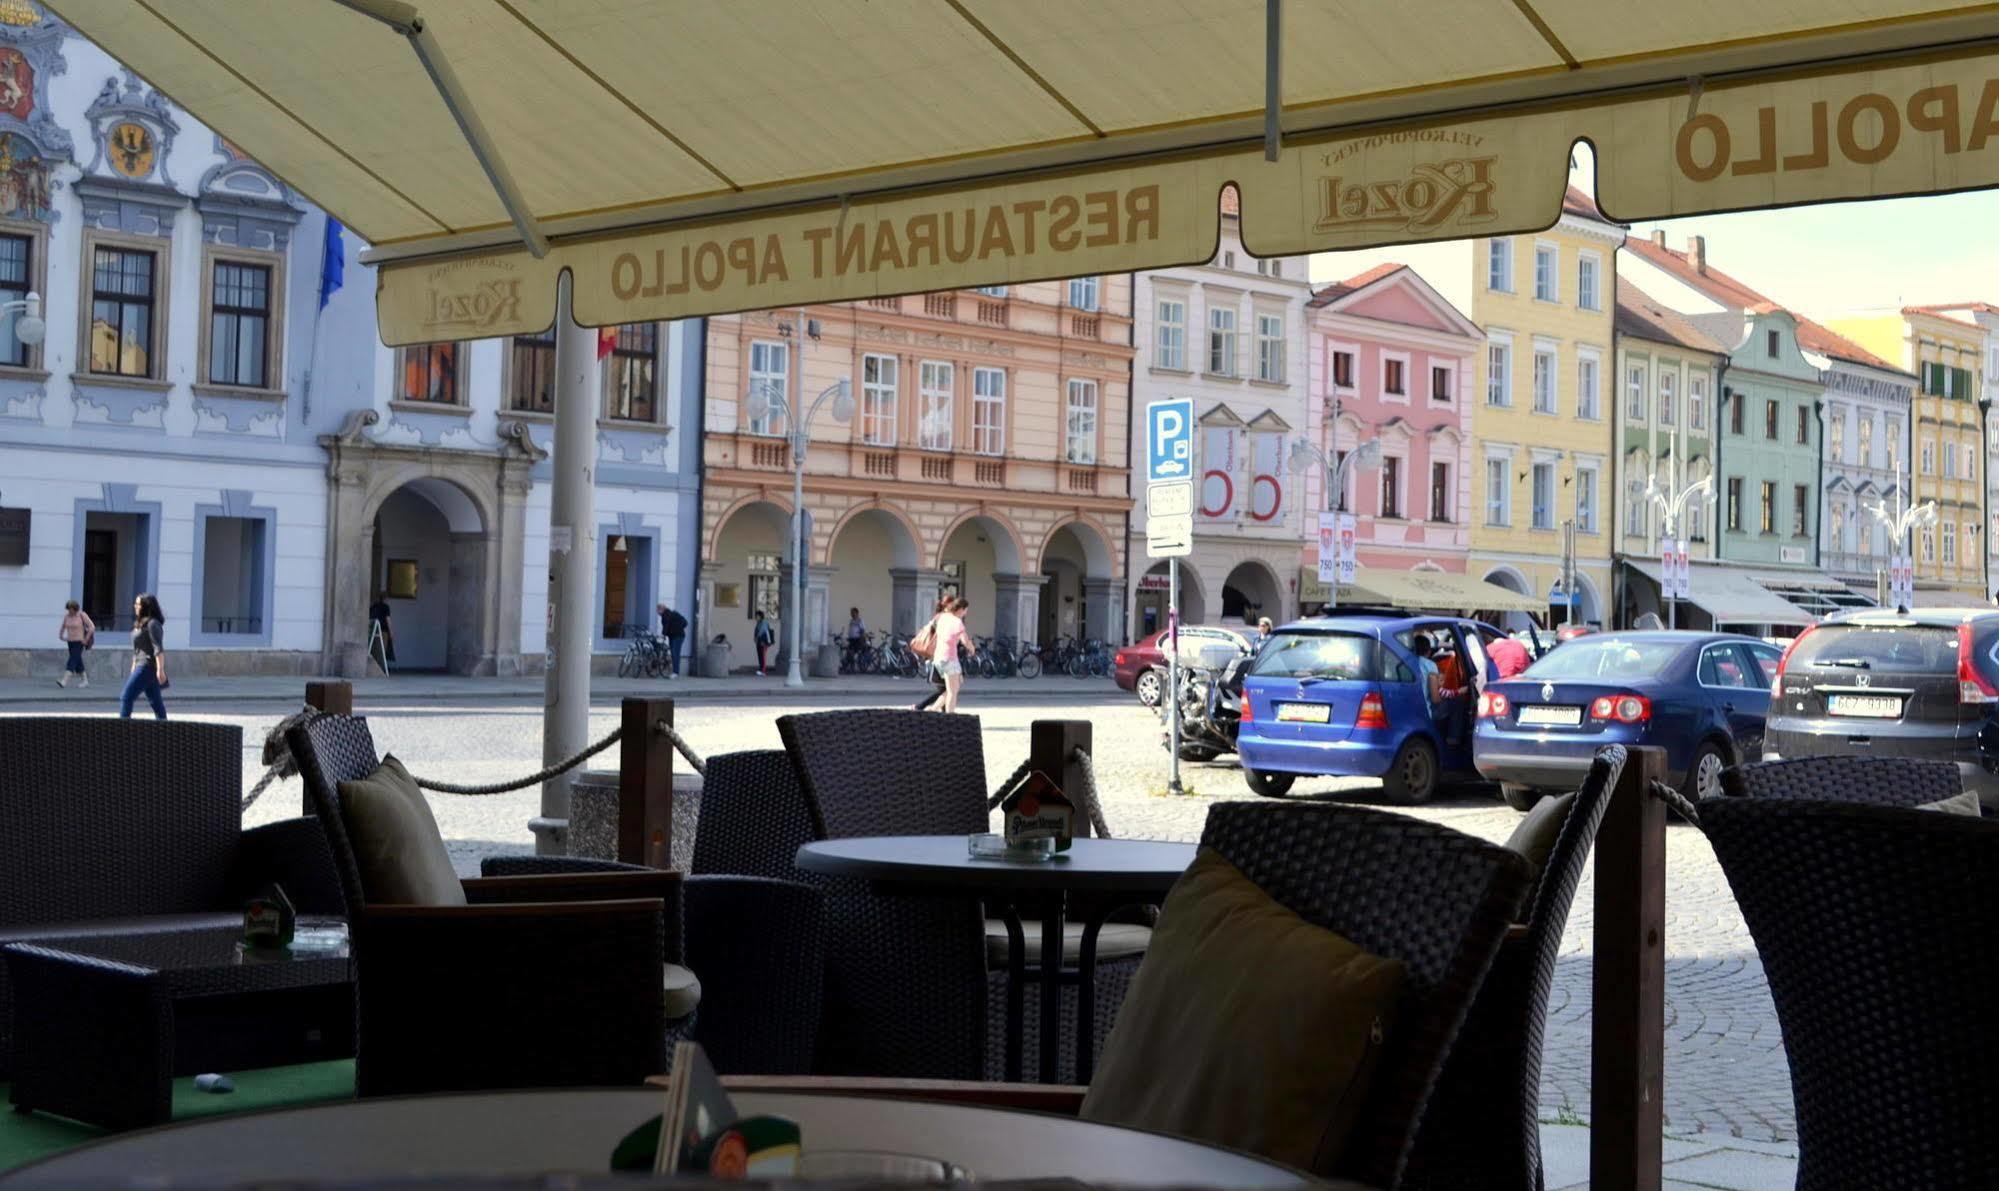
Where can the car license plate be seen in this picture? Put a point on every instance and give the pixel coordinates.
(1878, 707)
(1544, 716)
(1304, 713)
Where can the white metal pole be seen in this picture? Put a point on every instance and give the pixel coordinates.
(1338, 472)
(793, 674)
(1173, 675)
(572, 563)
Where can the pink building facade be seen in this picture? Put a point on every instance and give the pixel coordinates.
(1392, 359)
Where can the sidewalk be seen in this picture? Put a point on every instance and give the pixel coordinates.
(1698, 1160)
(449, 689)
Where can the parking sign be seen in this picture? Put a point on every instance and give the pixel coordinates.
(1169, 440)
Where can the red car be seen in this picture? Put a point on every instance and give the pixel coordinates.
(1141, 667)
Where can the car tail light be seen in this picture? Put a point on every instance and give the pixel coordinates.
(1971, 685)
(1777, 683)
(1492, 706)
(1625, 709)
(1248, 715)
(1373, 712)
(1117, 659)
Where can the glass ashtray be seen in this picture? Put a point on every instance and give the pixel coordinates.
(877, 1166)
(987, 846)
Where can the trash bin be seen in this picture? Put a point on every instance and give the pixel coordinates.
(827, 663)
(593, 814)
(715, 660)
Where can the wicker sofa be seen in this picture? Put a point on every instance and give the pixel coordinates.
(113, 825)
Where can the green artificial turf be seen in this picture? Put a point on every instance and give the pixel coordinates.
(27, 1136)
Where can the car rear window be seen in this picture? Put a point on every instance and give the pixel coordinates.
(1344, 656)
(1879, 649)
(1592, 657)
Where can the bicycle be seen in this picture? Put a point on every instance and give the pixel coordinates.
(1027, 661)
(647, 654)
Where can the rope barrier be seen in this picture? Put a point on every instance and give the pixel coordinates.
(534, 779)
(1008, 783)
(1676, 802)
(681, 746)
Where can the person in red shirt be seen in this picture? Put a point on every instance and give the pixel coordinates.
(1509, 657)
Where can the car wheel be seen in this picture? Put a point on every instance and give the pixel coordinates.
(1412, 776)
(1268, 785)
(1195, 752)
(1148, 686)
(1520, 798)
(1704, 773)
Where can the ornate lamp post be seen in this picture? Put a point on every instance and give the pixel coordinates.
(1672, 509)
(1365, 457)
(763, 402)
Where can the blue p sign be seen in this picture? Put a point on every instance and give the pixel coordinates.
(1169, 440)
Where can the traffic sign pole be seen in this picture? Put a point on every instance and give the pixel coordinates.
(1173, 676)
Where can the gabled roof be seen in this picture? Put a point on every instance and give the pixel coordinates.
(1816, 337)
(1639, 314)
(1359, 281)
(1938, 311)
(1575, 202)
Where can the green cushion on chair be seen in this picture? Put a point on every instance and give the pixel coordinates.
(397, 846)
(1535, 835)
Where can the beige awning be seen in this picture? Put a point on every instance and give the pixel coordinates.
(1434, 591)
(689, 157)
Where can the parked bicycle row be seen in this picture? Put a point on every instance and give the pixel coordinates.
(888, 653)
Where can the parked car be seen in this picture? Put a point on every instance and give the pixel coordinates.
(1141, 666)
(1700, 696)
(1882, 683)
(1342, 695)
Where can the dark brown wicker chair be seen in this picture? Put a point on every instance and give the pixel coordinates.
(1868, 781)
(543, 981)
(1875, 927)
(1436, 899)
(1483, 1125)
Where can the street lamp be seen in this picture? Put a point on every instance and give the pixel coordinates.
(29, 328)
(1671, 510)
(1903, 522)
(1305, 456)
(764, 401)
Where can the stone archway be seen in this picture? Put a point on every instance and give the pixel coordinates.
(1149, 606)
(1251, 591)
(1515, 582)
(1081, 596)
(870, 548)
(747, 568)
(981, 555)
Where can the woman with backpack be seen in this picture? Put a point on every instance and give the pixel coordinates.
(923, 645)
(79, 634)
(950, 633)
(765, 637)
(149, 658)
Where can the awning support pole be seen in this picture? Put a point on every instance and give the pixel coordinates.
(404, 19)
(1273, 78)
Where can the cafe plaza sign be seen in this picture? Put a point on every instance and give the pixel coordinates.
(1920, 125)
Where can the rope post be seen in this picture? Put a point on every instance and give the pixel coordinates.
(645, 784)
(334, 697)
(1051, 748)
(1628, 1018)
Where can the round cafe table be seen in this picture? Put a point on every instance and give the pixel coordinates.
(500, 1134)
(1093, 878)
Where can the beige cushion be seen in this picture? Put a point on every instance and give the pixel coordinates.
(1114, 941)
(395, 839)
(683, 991)
(1246, 1025)
(1535, 835)
(1964, 803)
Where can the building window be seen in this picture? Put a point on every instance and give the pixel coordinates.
(1544, 496)
(1634, 394)
(1768, 512)
(122, 295)
(1804, 425)
(1735, 503)
(1697, 403)
(1083, 293)
(1735, 414)
(1440, 384)
(1770, 343)
(1498, 493)
(430, 374)
(1636, 507)
(935, 381)
(531, 372)
(1343, 370)
(1893, 441)
(1800, 501)
(1949, 536)
(1929, 465)
(1499, 265)
(1221, 341)
(765, 595)
(234, 554)
(1696, 518)
(1394, 376)
(1082, 421)
(1440, 492)
(1391, 487)
(1499, 373)
(1929, 544)
(1866, 428)
(1770, 420)
(1950, 461)
(880, 376)
(1941, 380)
(988, 411)
(770, 373)
(990, 291)
(1835, 446)
(1169, 348)
(1277, 268)
(1669, 400)
(1587, 404)
(1547, 278)
(239, 325)
(17, 273)
(1269, 347)
(632, 379)
(1589, 293)
(1586, 499)
(1839, 527)
(1544, 381)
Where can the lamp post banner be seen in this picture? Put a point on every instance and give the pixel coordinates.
(1915, 124)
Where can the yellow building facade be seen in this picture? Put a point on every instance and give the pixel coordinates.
(1540, 410)
(1945, 451)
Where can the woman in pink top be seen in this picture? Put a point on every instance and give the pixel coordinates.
(76, 632)
(950, 634)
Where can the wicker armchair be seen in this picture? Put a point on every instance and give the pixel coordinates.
(1483, 1126)
(1436, 899)
(542, 981)
(1875, 927)
(1869, 781)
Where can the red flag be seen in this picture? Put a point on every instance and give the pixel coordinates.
(607, 338)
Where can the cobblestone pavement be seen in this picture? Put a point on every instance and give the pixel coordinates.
(1725, 1070)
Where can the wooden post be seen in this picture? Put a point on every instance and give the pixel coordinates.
(335, 697)
(1628, 1006)
(1051, 748)
(645, 784)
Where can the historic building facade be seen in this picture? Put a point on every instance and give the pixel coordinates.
(1229, 334)
(987, 454)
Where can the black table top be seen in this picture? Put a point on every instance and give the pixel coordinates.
(206, 959)
(1102, 865)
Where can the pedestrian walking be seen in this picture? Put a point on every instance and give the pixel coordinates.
(378, 617)
(951, 634)
(924, 644)
(672, 626)
(766, 637)
(79, 634)
(149, 658)
(855, 637)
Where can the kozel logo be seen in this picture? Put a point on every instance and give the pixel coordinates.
(1458, 191)
(482, 306)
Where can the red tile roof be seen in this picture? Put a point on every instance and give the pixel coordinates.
(1639, 314)
(1937, 311)
(1814, 337)
(1340, 289)
(1575, 202)
(1231, 201)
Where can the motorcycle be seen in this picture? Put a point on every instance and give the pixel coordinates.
(1210, 710)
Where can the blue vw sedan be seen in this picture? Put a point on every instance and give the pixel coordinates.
(1700, 696)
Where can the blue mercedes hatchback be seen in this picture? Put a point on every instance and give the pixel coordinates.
(1346, 695)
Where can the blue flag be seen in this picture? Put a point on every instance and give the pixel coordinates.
(332, 262)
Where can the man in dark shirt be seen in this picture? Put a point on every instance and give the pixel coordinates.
(378, 614)
(672, 626)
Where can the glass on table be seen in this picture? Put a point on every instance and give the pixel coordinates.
(987, 846)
